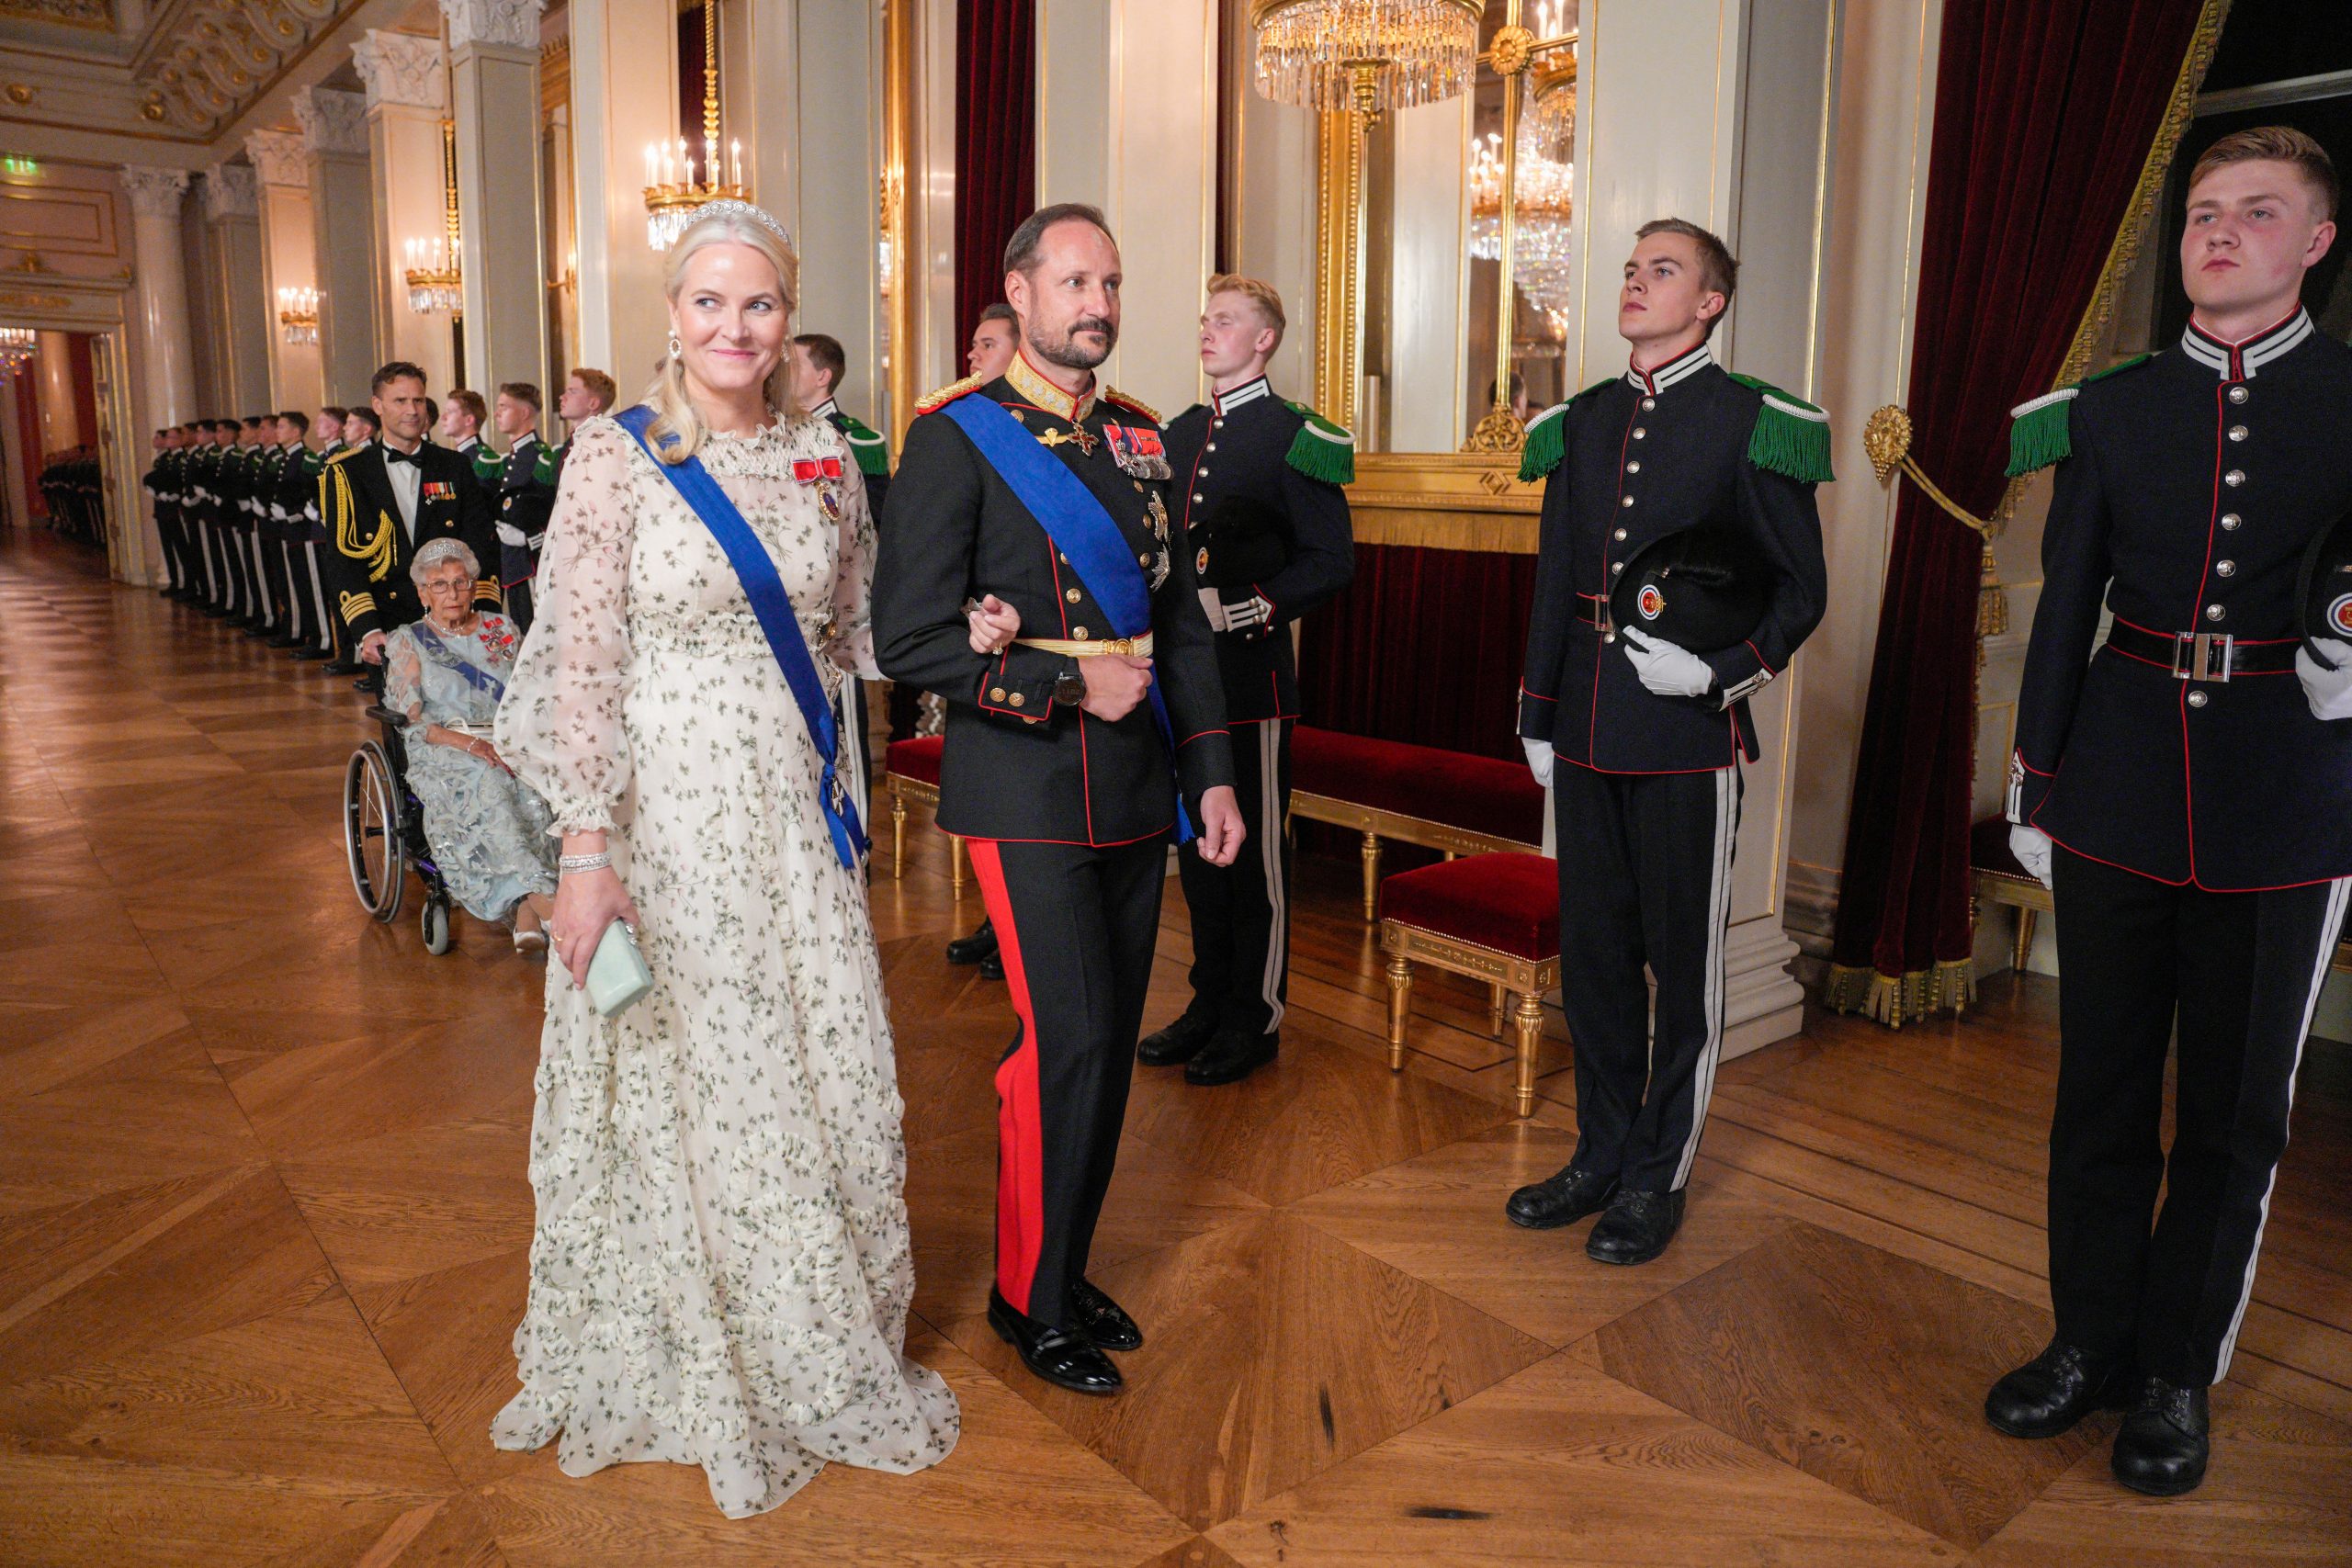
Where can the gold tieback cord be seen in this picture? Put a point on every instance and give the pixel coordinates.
(1887, 440)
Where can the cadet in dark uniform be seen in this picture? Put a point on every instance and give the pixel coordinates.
(163, 482)
(198, 513)
(1061, 770)
(819, 363)
(237, 510)
(2187, 802)
(282, 533)
(329, 428)
(520, 499)
(1649, 735)
(1261, 511)
(380, 501)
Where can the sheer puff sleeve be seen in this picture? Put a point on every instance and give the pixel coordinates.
(852, 644)
(559, 725)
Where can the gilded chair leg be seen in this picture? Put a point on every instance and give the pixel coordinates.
(2027, 920)
(1495, 994)
(897, 836)
(1530, 1033)
(1400, 1003)
(1371, 876)
(955, 863)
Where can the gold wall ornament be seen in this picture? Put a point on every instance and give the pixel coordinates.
(1364, 56)
(1886, 439)
(19, 93)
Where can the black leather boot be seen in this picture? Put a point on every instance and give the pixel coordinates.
(2166, 1440)
(1231, 1056)
(1104, 1320)
(974, 949)
(992, 967)
(1636, 1228)
(1178, 1044)
(1061, 1357)
(2050, 1393)
(1560, 1200)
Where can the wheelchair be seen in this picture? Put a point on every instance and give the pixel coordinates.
(383, 834)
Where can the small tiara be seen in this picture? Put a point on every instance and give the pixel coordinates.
(728, 206)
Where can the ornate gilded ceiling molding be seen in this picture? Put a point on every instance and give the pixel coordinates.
(95, 14)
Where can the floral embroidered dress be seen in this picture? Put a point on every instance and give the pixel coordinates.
(722, 1271)
(488, 830)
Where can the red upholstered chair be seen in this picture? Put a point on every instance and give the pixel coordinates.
(911, 766)
(1453, 801)
(1495, 918)
(1996, 877)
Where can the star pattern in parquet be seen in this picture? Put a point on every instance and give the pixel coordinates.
(265, 1221)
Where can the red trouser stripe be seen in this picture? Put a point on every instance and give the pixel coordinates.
(1019, 1127)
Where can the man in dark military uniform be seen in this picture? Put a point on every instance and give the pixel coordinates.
(380, 501)
(1261, 512)
(196, 477)
(162, 480)
(2187, 802)
(236, 489)
(819, 363)
(1066, 751)
(520, 498)
(329, 429)
(1640, 740)
(281, 535)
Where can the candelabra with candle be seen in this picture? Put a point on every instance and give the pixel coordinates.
(673, 190)
(435, 283)
(297, 315)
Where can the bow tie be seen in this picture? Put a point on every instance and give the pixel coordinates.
(394, 455)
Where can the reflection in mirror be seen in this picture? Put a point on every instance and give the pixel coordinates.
(1538, 171)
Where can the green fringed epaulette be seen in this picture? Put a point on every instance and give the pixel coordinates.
(2042, 433)
(1546, 441)
(1322, 450)
(866, 443)
(489, 467)
(1790, 437)
(545, 467)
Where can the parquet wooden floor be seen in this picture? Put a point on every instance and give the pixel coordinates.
(264, 1217)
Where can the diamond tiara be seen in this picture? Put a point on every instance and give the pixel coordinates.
(728, 206)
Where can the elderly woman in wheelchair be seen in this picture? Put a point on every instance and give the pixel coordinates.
(445, 674)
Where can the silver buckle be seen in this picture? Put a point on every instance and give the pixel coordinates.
(2192, 656)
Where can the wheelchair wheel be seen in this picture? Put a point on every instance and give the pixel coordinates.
(434, 920)
(371, 834)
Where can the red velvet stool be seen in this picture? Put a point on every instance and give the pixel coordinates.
(1453, 801)
(1495, 918)
(1996, 877)
(911, 768)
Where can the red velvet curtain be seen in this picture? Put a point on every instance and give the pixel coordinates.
(2045, 112)
(996, 150)
(1424, 645)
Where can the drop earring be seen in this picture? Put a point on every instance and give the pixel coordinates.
(676, 346)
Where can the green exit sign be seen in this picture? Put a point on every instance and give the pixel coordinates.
(15, 164)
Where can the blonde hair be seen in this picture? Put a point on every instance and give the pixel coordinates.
(1263, 295)
(2277, 144)
(677, 432)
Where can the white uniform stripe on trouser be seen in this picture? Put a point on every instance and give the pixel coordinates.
(850, 759)
(2331, 925)
(261, 596)
(1270, 852)
(204, 550)
(1702, 1087)
(318, 596)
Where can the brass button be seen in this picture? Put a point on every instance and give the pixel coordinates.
(1079, 632)
(2226, 568)
(1072, 596)
(1210, 447)
(2215, 612)
(1648, 403)
(1624, 500)
(995, 693)
(1217, 424)
(2197, 699)
(1609, 637)
(2234, 478)
(1017, 700)
(2238, 394)
(1138, 487)
(1198, 496)
(1621, 533)
(2231, 520)
(1201, 473)
(1142, 559)
(2237, 432)
(1639, 433)
(1615, 567)
(1634, 466)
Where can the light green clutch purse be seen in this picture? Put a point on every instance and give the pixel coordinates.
(618, 977)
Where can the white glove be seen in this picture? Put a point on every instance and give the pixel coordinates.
(1253, 614)
(2328, 691)
(1539, 760)
(1668, 671)
(1213, 608)
(509, 535)
(2031, 846)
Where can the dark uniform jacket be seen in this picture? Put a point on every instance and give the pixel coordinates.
(164, 477)
(231, 488)
(368, 550)
(517, 496)
(867, 446)
(1247, 450)
(269, 471)
(2190, 485)
(1019, 764)
(200, 476)
(298, 492)
(1634, 459)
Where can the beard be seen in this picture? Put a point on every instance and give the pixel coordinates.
(1063, 348)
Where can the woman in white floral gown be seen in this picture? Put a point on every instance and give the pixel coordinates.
(721, 1271)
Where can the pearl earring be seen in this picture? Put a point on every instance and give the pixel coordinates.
(676, 346)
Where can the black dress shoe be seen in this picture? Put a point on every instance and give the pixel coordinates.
(1179, 1042)
(1104, 1320)
(1560, 1200)
(2164, 1444)
(2050, 1393)
(1061, 1357)
(1231, 1056)
(313, 655)
(992, 967)
(286, 641)
(973, 949)
(1636, 1227)
(342, 666)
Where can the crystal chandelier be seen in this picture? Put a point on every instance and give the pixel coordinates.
(297, 315)
(436, 286)
(1370, 56)
(17, 344)
(672, 190)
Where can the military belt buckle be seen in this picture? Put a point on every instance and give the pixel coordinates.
(2192, 656)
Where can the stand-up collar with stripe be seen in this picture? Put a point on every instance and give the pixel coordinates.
(2239, 361)
(1223, 403)
(1658, 377)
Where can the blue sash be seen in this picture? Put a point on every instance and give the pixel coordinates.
(446, 658)
(1081, 530)
(764, 589)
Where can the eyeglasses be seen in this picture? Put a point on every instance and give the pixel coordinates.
(458, 586)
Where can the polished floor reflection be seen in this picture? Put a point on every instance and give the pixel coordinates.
(264, 1215)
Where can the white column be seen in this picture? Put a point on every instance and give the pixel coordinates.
(159, 292)
(617, 47)
(236, 295)
(494, 49)
(334, 133)
(61, 420)
(289, 261)
(1126, 111)
(406, 101)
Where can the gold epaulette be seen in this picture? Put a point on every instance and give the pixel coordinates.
(346, 453)
(934, 401)
(1134, 405)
